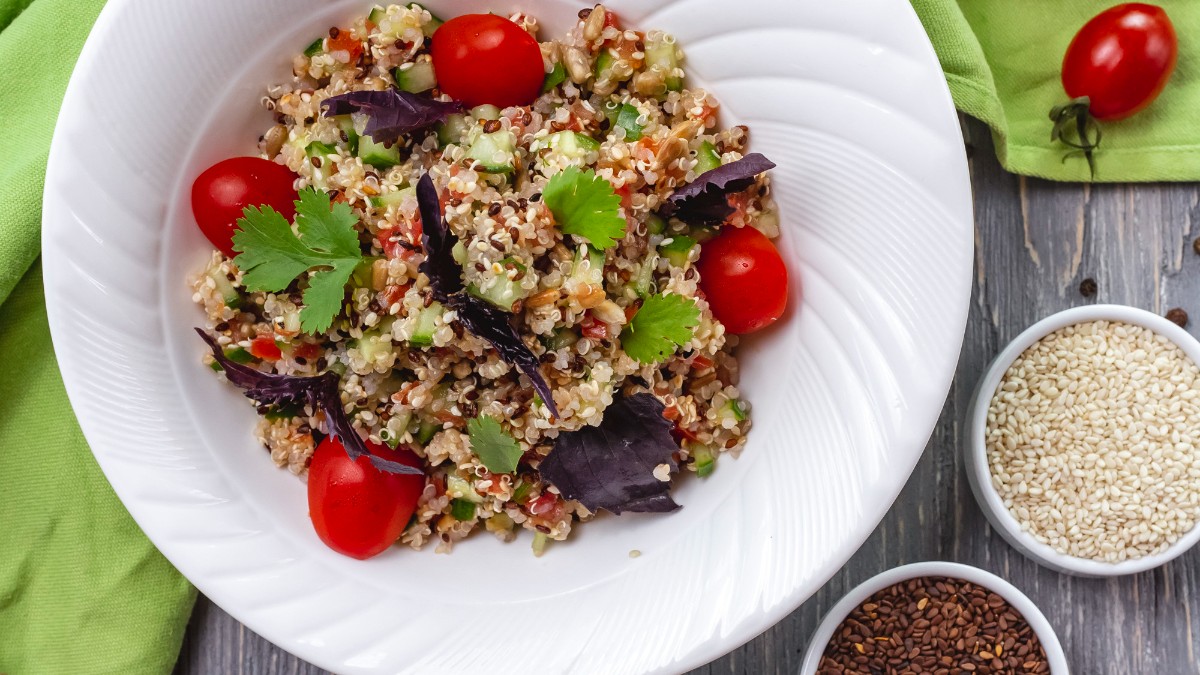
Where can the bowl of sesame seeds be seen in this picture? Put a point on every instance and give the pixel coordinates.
(938, 618)
(1085, 441)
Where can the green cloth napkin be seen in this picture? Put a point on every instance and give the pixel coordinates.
(1003, 58)
(81, 588)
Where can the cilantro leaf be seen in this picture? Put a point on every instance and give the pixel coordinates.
(585, 205)
(498, 451)
(272, 256)
(323, 227)
(323, 297)
(664, 323)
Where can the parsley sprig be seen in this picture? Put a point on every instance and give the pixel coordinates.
(662, 325)
(585, 205)
(497, 450)
(272, 256)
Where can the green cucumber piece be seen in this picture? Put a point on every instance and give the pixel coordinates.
(644, 281)
(707, 157)
(459, 488)
(319, 149)
(521, 491)
(435, 21)
(563, 337)
(426, 325)
(315, 48)
(735, 408)
(363, 272)
(662, 55)
(705, 461)
(501, 294)
(572, 144)
(378, 155)
(539, 543)
(677, 250)
(393, 198)
(426, 431)
(486, 111)
(229, 294)
(348, 130)
(453, 130)
(655, 224)
(495, 152)
(604, 64)
(415, 79)
(555, 77)
(462, 509)
(591, 273)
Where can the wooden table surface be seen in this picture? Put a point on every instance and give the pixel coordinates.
(1035, 242)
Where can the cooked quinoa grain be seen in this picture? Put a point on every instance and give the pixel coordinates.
(1091, 441)
(410, 374)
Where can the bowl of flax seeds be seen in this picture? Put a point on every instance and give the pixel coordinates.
(939, 618)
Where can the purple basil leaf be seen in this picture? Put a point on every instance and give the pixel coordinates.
(391, 112)
(320, 392)
(611, 466)
(494, 325)
(445, 275)
(702, 201)
(485, 320)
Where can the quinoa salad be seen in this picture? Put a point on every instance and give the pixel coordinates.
(503, 304)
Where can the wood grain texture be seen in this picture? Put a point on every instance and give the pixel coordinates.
(1035, 242)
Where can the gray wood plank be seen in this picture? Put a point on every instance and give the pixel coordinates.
(1035, 241)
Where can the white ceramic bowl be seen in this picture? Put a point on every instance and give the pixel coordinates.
(1033, 616)
(979, 475)
(846, 97)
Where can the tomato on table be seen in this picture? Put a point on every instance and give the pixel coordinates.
(743, 278)
(1121, 59)
(356, 509)
(487, 59)
(226, 188)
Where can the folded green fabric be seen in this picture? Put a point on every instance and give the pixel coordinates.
(81, 588)
(1002, 60)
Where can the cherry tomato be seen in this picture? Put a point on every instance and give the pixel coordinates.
(484, 58)
(265, 348)
(743, 278)
(224, 189)
(356, 509)
(1121, 60)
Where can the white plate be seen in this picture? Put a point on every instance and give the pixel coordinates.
(845, 96)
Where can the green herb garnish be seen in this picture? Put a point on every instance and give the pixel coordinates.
(663, 324)
(585, 205)
(272, 256)
(497, 450)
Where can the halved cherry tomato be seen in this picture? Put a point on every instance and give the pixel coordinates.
(484, 58)
(356, 509)
(226, 188)
(743, 278)
(265, 348)
(1121, 60)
